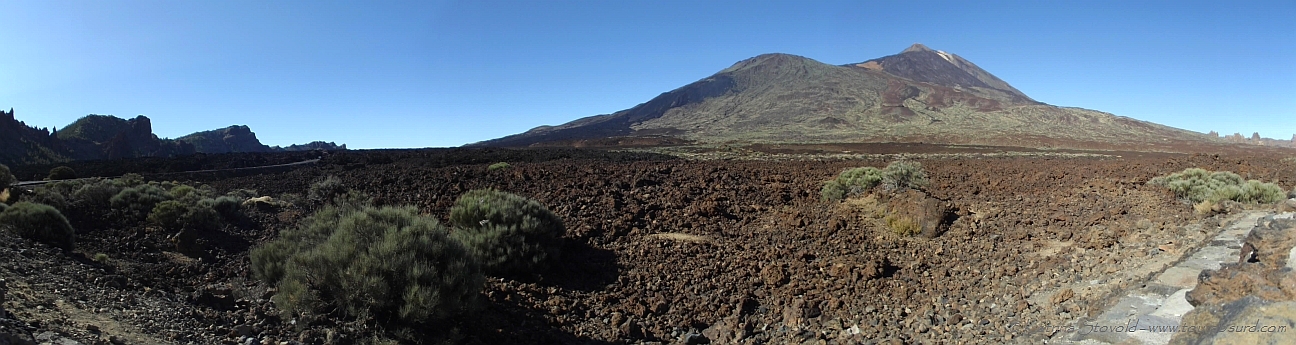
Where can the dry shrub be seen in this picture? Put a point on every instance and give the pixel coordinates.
(868, 205)
(903, 226)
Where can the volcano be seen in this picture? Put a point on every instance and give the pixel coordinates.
(920, 95)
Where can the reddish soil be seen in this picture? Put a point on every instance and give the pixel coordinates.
(771, 263)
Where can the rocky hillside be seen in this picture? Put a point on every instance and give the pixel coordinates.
(919, 95)
(228, 139)
(1255, 139)
(109, 137)
(102, 136)
(20, 143)
(240, 138)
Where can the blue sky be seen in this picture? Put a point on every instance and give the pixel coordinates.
(445, 73)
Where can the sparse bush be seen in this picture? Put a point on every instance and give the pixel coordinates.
(62, 173)
(498, 166)
(904, 174)
(40, 223)
(1206, 207)
(243, 194)
(292, 198)
(856, 181)
(833, 190)
(902, 226)
(226, 206)
(389, 264)
(201, 217)
(183, 192)
(1196, 185)
(176, 215)
(6, 178)
(136, 202)
(97, 193)
(129, 180)
(510, 235)
(101, 258)
(48, 195)
(325, 190)
(168, 214)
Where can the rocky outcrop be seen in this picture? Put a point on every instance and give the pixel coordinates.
(1252, 301)
(236, 138)
(1259, 271)
(933, 216)
(109, 137)
(22, 144)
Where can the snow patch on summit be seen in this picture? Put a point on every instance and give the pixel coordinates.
(945, 55)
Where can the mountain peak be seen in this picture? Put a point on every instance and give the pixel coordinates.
(923, 64)
(916, 47)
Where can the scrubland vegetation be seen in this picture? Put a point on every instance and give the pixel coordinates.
(857, 181)
(1197, 185)
(391, 264)
(397, 266)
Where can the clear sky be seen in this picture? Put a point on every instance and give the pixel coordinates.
(383, 74)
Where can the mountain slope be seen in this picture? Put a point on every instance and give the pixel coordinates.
(102, 136)
(228, 139)
(240, 138)
(20, 143)
(109, 137)
(919, 95)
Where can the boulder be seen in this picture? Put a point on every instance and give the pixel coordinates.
(1250, 320)
(932, 215)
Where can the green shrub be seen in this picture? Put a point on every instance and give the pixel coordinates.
(243, 194)
(6, 178)
(101, 258)
(833, 190)
(858, 180)
(129, 180)
(97, 193)
(510, 235)
(389, 264)
(3, 206)
(48, 195)
(92, 200)
(62, 173)
(40, 223)
(855, 181)
(1196, 185)
(184, 192)
(137, 202)
(1260, 192)
(201, 217)
(498, 166)
(325, 190)
(168, 214)
(904, 174)
(226, 206)
(176, 215)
